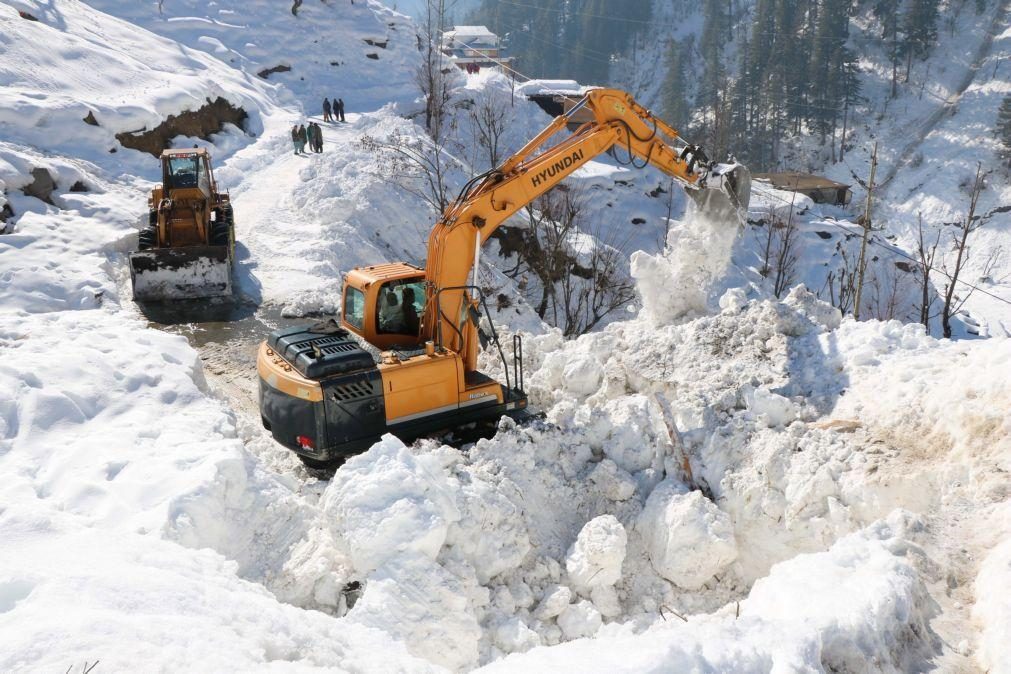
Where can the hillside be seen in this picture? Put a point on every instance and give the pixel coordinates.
(727, 476)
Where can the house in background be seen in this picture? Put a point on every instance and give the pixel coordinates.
(473, 46)
(821, 190)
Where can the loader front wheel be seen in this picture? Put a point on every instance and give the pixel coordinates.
(220, 234)
(147, 238)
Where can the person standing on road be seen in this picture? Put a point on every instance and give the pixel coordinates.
(340, 108)
(303, 138)
(326, 110)
(294, 137)
(319, 138)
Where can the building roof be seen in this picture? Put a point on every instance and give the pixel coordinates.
(461, 32)
(795, 180)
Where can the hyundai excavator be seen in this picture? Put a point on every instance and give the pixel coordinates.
(324, 396)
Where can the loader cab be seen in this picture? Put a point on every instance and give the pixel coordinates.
(187, 170)
(384, 304)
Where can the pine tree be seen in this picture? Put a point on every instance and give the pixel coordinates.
(673, 100)
(1004, 128)
(920, 27)
(888, 12)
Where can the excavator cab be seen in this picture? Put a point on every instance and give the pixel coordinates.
(383, 304)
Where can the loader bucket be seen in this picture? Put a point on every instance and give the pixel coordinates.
(181, 273)
(726, 194)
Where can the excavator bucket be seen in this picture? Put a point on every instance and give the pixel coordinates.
(181, 273)
(726, 193)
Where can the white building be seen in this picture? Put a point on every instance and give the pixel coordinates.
(473, 45)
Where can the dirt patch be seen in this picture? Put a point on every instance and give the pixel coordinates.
(208, 120)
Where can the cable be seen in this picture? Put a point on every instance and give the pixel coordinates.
(895, 251)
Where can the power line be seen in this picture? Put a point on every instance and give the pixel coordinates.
(898, 252)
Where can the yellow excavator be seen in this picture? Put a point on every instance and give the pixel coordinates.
(324, 397)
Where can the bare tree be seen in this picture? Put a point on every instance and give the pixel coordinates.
(841, 284)
(926, 253)
(952, 302)
(431, 76)
(890, 287)
(490, 120)
(581, 276)
(415, 164)
(781, 252)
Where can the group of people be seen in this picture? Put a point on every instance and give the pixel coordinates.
(333, 112)
(302, 135)
(473, 69)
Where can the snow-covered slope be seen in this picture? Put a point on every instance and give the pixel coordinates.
(723, 481)
(363, 53)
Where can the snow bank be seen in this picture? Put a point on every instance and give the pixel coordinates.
(993, 609)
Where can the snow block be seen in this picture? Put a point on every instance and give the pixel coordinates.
(594, 560)
(688, 538)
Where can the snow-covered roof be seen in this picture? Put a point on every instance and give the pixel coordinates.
(471, 31)
(534, 87)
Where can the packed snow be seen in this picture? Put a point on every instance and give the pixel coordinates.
(723, 480)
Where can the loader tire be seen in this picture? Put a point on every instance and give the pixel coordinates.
(220, 234)
(147, 238)
(152, 218)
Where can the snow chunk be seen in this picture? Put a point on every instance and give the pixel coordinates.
(613, 482)
(514, 636)
(772, 409)
(582, 376)
(387, 502)
(556, 598)
(580, 620)
(594, 560)
(689, 540)
(733, 300)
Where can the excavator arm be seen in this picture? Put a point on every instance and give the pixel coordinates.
(491, 198)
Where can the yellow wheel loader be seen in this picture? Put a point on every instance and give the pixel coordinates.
(323, 396)
(187, 247)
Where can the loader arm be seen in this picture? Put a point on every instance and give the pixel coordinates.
(490, 199)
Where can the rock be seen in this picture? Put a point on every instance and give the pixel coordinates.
(202, 123)
(688, 538)
(42, 186)
(90, 119)
(595, 558)
(580, 620)
(267, 72)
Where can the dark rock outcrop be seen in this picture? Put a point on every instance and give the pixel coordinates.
(90, 119)
(41, 187)
(267, 72)
(208, 120)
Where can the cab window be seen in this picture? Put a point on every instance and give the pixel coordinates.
(400, 307)
(354, 307)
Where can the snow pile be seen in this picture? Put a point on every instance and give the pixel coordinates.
(870, 610)
(993, 608)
